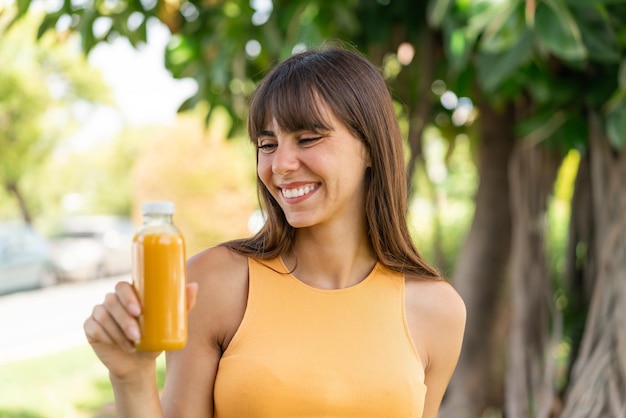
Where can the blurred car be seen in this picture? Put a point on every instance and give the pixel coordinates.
(25, 261)
(90, 247)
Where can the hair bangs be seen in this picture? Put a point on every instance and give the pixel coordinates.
(293, 100)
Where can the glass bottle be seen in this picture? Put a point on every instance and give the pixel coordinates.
(159, 278)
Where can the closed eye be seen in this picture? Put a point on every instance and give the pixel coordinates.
(309, 141)
(266, 148)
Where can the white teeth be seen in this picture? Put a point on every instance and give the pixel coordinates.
(300, 191)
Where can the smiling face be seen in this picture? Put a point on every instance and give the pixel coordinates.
(335, 94)
(322, 117)
(317, 175)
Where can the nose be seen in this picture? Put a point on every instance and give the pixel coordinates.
(286, 158)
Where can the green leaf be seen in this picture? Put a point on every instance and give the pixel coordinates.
(600, 49)
(616, 126)
(48, 22)
(493, 69)
(558, 31)
(437, 11)
(180, 53)
(561, 129)
(458, 45)
(505, 26)
(595, 25)
(572, 134)
(85, 28)
(22, 7)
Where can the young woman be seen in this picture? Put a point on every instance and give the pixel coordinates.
(328, 311)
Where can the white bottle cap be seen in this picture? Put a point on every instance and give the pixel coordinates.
(157, 208)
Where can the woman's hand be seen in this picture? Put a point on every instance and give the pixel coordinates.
(113, 329)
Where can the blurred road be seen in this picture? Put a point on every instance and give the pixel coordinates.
(40, 322)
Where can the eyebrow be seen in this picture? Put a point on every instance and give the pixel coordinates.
(267, 133)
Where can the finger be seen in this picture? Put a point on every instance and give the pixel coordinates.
(102, 328)
(128, 298)
(123, 320)
(192, 295)
(95, 333)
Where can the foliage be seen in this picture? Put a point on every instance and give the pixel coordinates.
(559, 57)
(226, 46)
(95, 179)
(557, 63)
(211, 180)
(39, 83)
(440, 218)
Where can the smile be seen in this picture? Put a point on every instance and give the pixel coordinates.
(298, 191)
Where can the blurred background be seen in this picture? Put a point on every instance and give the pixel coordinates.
(514, 115)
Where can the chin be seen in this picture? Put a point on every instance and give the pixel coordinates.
(299, 222)
(299, 225)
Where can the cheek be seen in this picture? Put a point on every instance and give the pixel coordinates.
(264, 170)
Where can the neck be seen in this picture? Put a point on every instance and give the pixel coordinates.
(331, 262)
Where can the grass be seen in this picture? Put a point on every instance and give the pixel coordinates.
(70, 384)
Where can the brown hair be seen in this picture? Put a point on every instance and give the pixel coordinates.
(357, 95)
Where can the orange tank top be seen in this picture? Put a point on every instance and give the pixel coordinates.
(307, 352)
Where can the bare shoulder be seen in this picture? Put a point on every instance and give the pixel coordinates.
(436, 300)
(213, 263)
(222, 277)
(435, 309)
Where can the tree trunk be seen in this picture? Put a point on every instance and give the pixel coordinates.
(536, 325)
(15, 191)
(480, 274)
(598, 381)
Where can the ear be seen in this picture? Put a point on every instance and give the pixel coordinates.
(368, 159)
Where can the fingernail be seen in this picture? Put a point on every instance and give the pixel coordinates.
(134, 309)
(133, 333)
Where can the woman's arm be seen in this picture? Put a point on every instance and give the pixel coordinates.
(217, 287)
(112, 329)
(222, 277)
(137, 396)
(436, 318)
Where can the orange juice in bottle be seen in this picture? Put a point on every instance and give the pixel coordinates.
(159, 277)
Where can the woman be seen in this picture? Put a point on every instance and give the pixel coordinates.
(328, 310)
